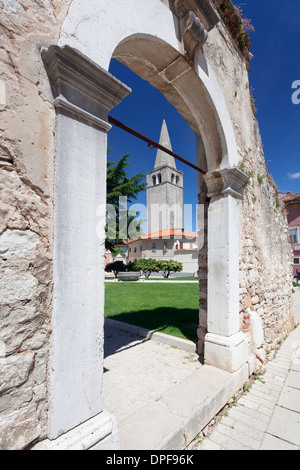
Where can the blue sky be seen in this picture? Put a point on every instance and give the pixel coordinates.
(276, 65)
(144, 110)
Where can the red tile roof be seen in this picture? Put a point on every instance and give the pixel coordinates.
(288, 197)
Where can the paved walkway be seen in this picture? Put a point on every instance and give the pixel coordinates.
(268, 416)
(137, 372)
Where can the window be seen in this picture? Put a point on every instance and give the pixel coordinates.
(141, 248)
(296, 260)
(153, 247)
(165, 247)
(172, 178)
(154, 180)
(294, 235)
(177, 179)
(159, 178)
(135, 249)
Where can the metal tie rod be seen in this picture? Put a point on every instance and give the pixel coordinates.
(152, 143)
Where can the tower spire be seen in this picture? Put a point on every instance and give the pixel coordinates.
(163, 158)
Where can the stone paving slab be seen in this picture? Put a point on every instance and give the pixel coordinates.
(293, 379)
(285, 425)
(172, 421)
(150, 427)
(138, 371)
(290, 399)
(273, 443)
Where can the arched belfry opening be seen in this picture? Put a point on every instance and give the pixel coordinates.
(162, 51)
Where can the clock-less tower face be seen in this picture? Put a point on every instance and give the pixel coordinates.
(164, 190)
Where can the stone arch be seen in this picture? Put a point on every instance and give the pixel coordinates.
(164, 68)
(151, 49)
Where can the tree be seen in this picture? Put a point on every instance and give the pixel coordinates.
(118, 184)
(116, 267)
(147, 266)
(168, 267)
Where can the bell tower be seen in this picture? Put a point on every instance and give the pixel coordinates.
(164, 190)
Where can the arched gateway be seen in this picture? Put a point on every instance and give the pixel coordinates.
(161, 46)
(55, 99)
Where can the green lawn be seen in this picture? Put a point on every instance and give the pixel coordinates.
(168, 308)
(172, 279)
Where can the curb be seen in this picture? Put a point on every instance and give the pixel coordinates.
(153, 335)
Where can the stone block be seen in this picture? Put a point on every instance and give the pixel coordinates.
(19, 429)
(97, 433)
(14, 370)
(153, 425)
(227, 353)
(17, 243)
(257, 332)
(16, 286)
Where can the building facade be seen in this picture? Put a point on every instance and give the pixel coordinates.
(167, 245)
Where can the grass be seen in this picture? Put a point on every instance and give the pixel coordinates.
(168, 308)
(172, 279)
(163, 279)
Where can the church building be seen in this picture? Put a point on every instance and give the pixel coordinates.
(166, 238)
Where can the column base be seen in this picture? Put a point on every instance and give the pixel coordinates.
(227, 353)
(98, 433)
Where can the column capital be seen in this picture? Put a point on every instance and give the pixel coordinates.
(228, 181)
(81, 87)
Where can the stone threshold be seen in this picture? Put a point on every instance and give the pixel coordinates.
(174, 420)
(173, 341)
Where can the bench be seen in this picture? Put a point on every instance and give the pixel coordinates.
(129, 276)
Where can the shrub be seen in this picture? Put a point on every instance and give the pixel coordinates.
(116, 267)
(147, 266)
(238, 25)
(168, 267)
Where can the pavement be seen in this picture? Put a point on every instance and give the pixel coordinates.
(162, 396)
(268, 416)
(137, 371)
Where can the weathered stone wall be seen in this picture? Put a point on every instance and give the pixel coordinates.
(265, 253)
(27, 121)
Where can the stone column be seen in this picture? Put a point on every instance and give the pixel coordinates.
(83, 93)
(225, 346)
